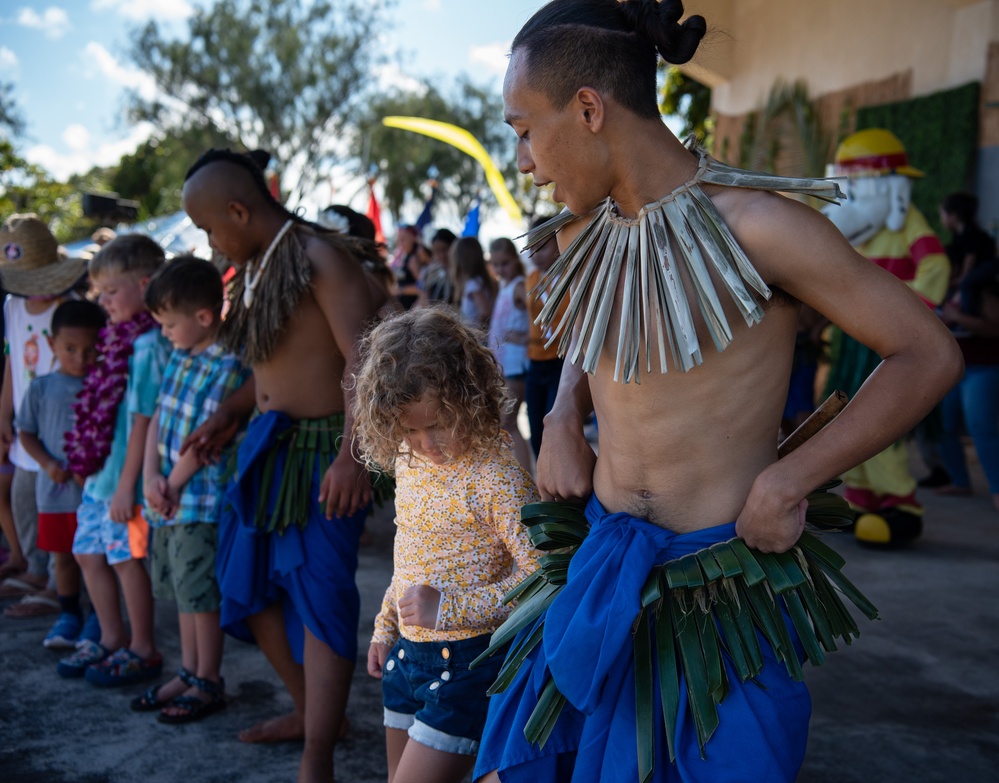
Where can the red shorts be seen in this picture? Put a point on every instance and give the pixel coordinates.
(56, 531)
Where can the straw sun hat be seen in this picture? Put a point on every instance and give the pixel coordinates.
(29, 259)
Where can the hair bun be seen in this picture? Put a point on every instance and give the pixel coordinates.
(658, 21)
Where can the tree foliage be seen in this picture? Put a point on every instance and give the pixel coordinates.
(686, 98)
(404, 158)
(279, 74)
(153, 175)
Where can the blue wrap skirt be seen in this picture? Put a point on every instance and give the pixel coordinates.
(309, 569)
(587, 647)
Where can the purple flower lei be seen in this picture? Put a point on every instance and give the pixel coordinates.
(88, 444)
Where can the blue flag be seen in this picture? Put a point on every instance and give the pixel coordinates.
(471, 228)
(427, 215)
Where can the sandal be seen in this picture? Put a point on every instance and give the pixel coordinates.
(149, 700)
(194, 708)
(124, 667)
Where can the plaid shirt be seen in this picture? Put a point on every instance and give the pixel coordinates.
(193, 387)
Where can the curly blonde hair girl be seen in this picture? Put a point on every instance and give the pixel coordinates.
(426, 351)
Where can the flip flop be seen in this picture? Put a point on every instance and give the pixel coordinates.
(15, 587)
(34, 605)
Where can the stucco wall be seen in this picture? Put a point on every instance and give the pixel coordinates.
(837, 44)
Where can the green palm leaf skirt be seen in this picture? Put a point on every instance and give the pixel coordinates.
(306, 444)
(697, 611)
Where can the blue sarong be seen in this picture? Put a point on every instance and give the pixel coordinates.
(587, 647)
(309, 569)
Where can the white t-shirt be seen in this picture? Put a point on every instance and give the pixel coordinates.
(27, 344)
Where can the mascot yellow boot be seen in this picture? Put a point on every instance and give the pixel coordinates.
(881, 223)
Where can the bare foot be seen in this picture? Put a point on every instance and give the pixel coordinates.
(316, 767)
(287, 728)
(13, 567)
(954, 490)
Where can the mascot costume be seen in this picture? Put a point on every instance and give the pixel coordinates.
(881, 223)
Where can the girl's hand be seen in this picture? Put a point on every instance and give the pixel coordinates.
(419, 605)
(377, 654)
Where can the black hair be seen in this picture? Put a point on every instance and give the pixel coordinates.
(79, 314)
(358, 225)
(188, 284)
(963, 205)
(253, 163)
(607, 45)
(444, 235)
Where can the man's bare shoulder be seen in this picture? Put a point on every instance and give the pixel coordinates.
(329, 261)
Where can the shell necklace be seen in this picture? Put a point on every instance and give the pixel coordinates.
(252, 280)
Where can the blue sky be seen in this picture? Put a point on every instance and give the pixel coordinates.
(66, 59)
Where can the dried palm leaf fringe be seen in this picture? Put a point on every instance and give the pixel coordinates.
(681, 236)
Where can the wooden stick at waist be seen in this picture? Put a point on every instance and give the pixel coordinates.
(824, 414)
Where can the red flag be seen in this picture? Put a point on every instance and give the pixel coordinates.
(375, 214)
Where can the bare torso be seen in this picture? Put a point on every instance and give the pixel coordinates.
(683, 449)
(303, 376)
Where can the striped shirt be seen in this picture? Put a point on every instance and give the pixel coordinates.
(194, 385)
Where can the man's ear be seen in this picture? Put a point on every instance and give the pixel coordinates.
(239, 213)
(590, 108)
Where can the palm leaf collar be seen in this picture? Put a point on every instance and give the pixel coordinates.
(679, 237)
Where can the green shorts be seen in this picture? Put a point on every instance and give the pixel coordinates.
(182, 565)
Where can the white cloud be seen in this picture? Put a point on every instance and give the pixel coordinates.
(53, 21)
(392, 76)
(76, 137)
(107, 66)
(62, 165)
(145, 9)
(431, 5)
(8, 61)
(493, 56)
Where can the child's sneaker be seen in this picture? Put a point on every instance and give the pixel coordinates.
(91, 630)
(65, 633)
(86, 654)
(124, 667)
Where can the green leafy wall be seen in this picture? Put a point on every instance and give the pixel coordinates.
(940, 133)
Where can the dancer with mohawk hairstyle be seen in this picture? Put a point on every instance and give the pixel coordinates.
(664, 252)
(288, 549)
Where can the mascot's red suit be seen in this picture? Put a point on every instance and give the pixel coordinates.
(881, 223)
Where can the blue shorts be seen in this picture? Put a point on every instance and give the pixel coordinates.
(98, 534)
(429, 691)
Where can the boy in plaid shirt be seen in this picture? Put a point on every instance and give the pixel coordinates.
(184, 498)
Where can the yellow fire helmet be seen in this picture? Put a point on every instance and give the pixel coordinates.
(873, 152)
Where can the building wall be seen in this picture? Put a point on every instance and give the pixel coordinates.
(836, 44)
(851, 53)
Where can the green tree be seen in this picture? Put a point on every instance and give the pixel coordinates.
(27, 187)
(153, 175)
(403, 158)
(280, 74)
(686, 98)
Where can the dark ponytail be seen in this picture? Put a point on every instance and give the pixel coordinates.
(659, 23)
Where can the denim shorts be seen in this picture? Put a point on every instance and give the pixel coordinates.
(429, 691)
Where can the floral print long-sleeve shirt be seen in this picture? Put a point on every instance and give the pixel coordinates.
(458, 530)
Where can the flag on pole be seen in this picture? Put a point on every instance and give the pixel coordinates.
(427, 215)
(471, 228)
(374, 213)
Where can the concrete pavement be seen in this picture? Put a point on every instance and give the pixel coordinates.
(915, 699)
